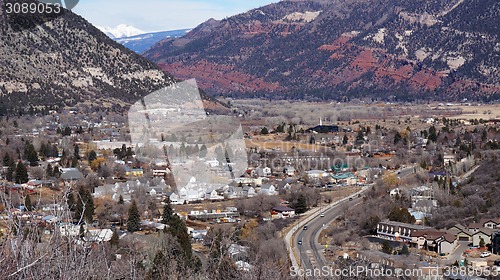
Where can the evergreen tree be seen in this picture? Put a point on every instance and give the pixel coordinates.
(178, 228)
(301, 205)
(115, 239)
(386, 247)
(167, 212)
(6, 159)
(21, 173)
(30, 154)
(92, 156)
(27, 203)
(49, 172)
(432, 134)
(404, 250)
(397, 138)
(345, 139)
(203, 151)
(360, 136)
(158, 267)
(10, 171)
(195, 151)
(134, 218)
(89, 208)
(264, 131)
(74, 162)
(84, 208)
(56, 173)
(67, 131)
(70, 200)
(81, 232)
(76, 152)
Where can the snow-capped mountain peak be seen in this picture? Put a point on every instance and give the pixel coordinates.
(121, 31)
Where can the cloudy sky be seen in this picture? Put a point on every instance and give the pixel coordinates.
(159, 15)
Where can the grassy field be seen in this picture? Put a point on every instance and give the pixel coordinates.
(478, 112)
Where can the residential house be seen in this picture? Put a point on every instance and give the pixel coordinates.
(397, 231)
(346, 178)
(235, 192)
(161, 172)
(238, 252)
(174, 198)
(268, 189)
(482, 234)
(263, 171)
(152, 225)
(448, 159)
(316, 174)
(156, 191)
(251, 181)
(212, 163)
(425, 206)
(213, 195)
(98, 235)
(134, 172)
(490, 223)
(475, 232)
(418, 215)
(71, 174)
(395, 192)
(249, 191)
(199, 234)
(289, 170)
(282, 211)
(462, 233)
(434, 240)
(188, 195)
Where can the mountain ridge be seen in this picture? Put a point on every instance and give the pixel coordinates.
(402, 50)
(142, 42)
(120, 31)
(65, 61)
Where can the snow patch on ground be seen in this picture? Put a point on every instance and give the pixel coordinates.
(120, 31)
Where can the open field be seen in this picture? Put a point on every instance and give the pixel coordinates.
(478, 112)
(257, 113)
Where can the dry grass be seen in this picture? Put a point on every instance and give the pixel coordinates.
(478, 112)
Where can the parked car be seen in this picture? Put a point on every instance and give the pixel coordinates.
(485, 254)
(322, 214)
(350, 198)
(300, 242)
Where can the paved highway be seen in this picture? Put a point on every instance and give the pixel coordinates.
(310, 252)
